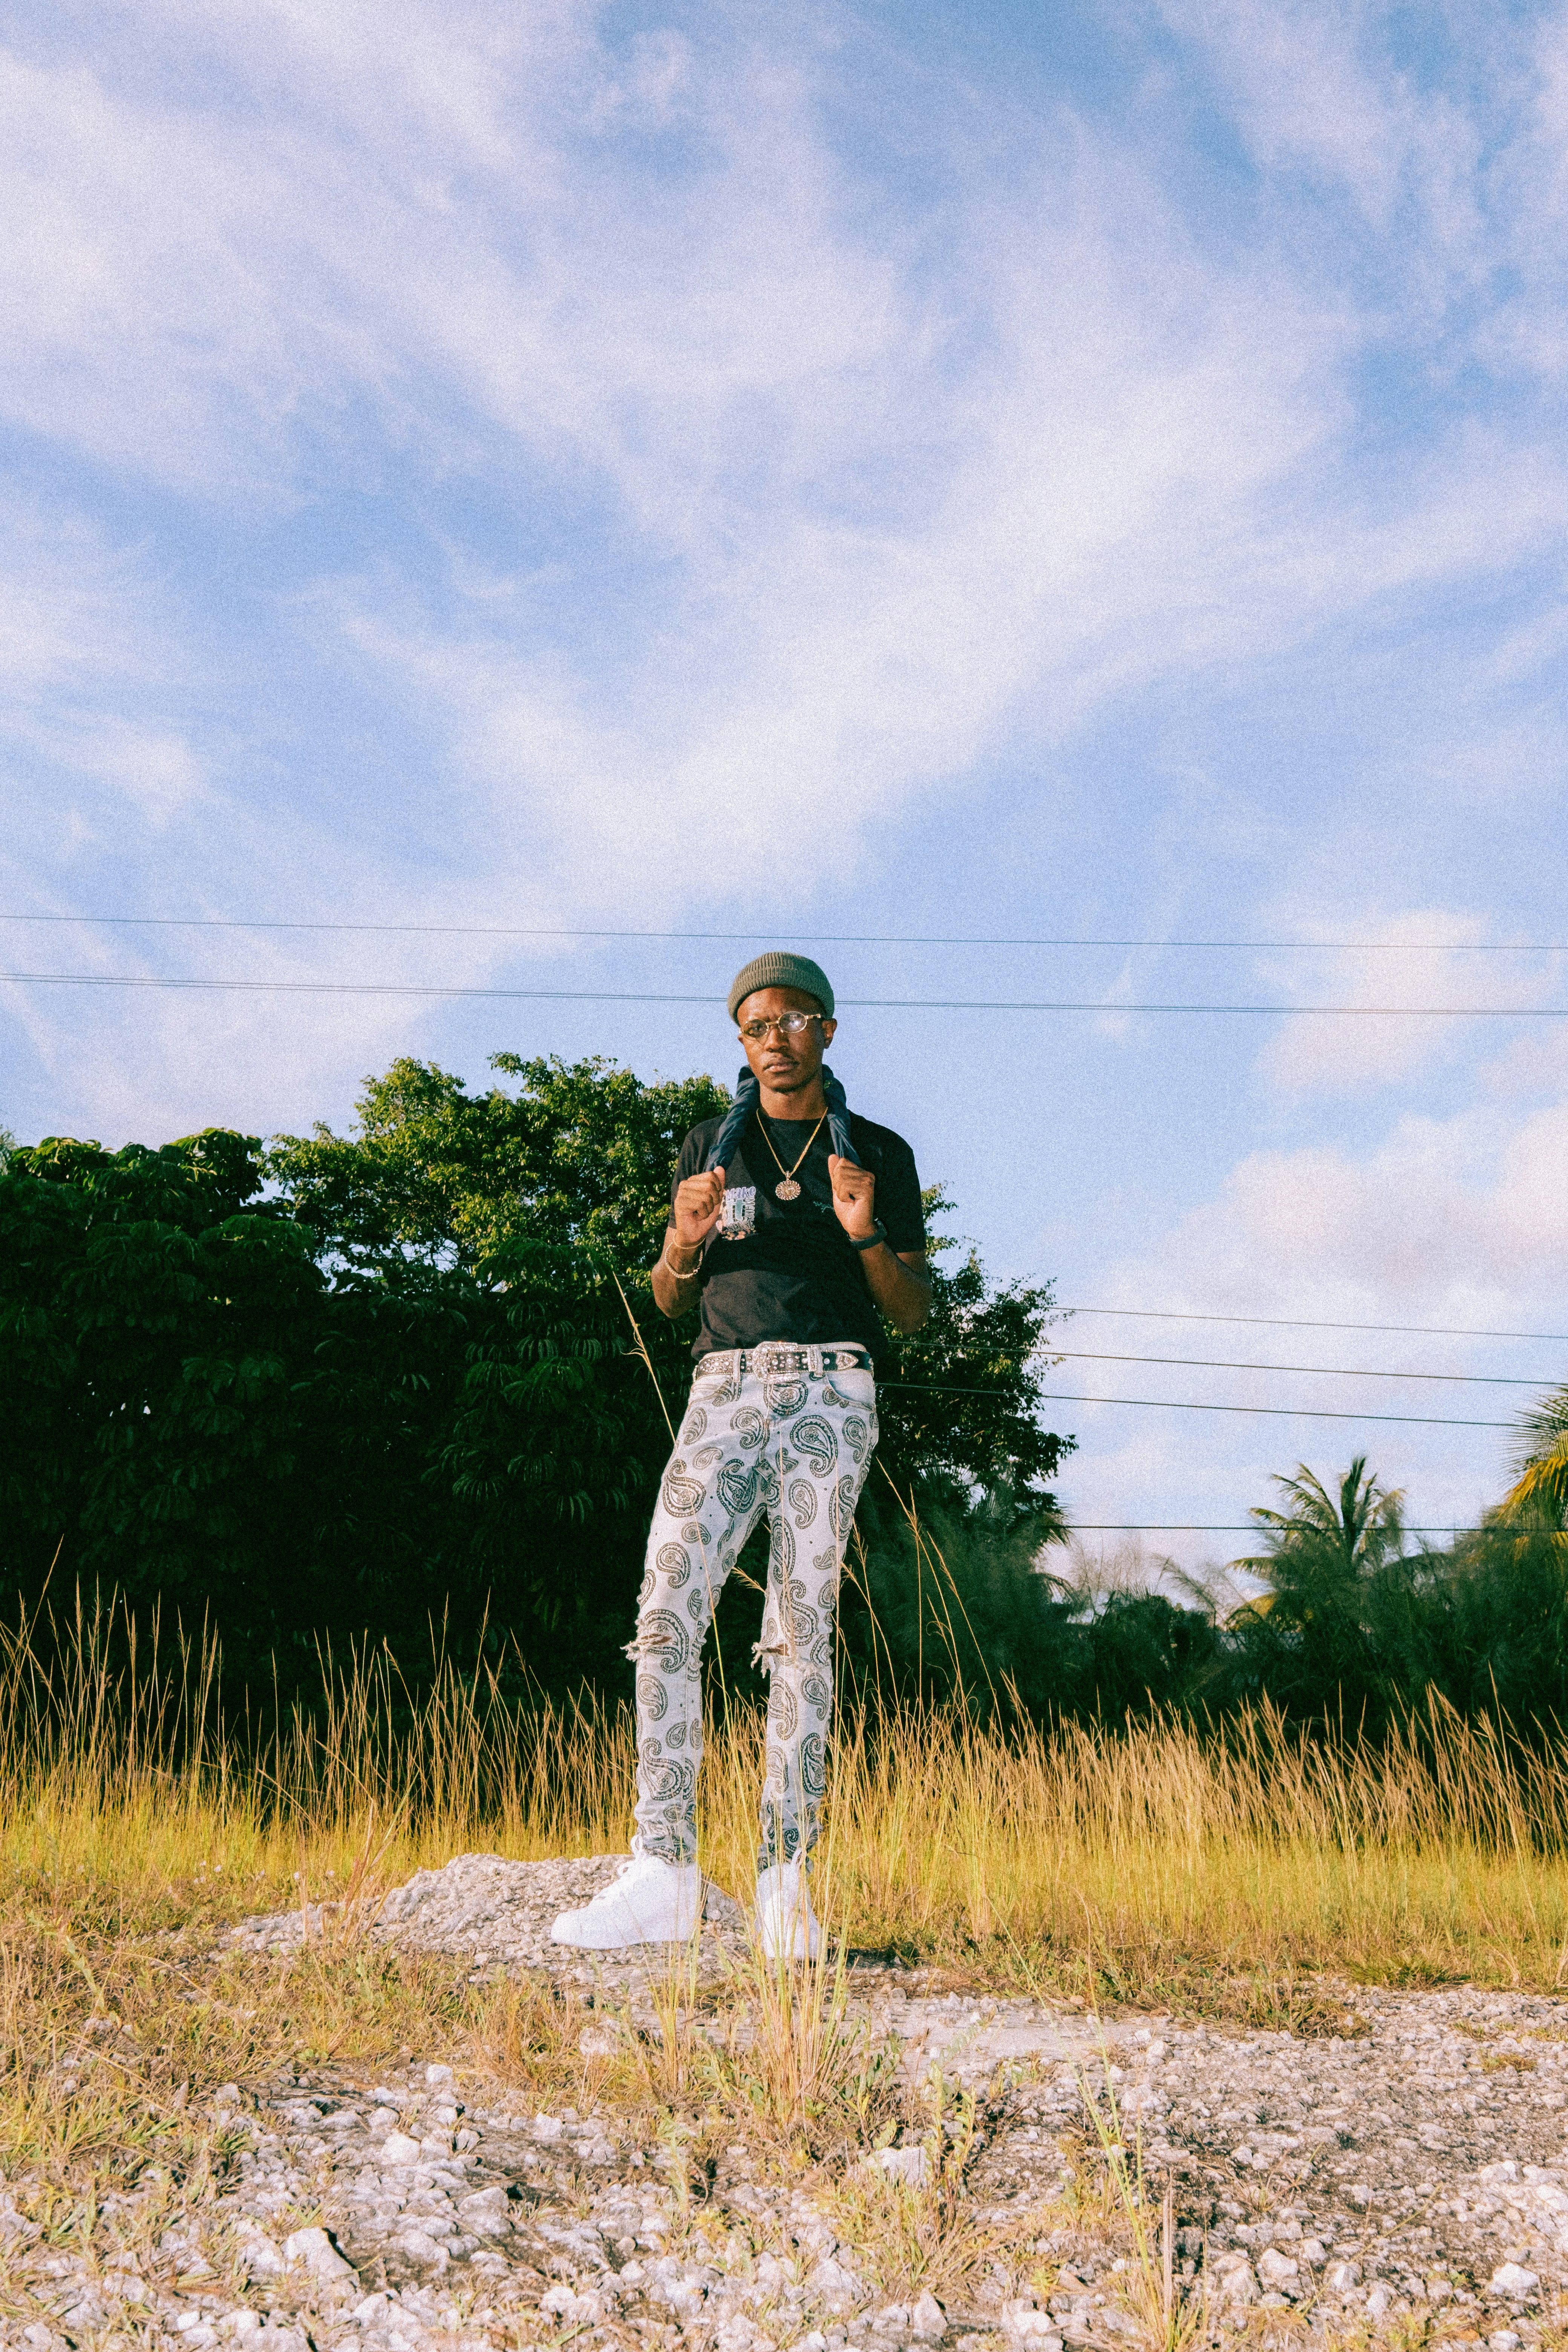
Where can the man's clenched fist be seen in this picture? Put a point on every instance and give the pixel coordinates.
(698, 1201)
(854, 1196)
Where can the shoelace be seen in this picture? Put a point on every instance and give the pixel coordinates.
(621, 1870)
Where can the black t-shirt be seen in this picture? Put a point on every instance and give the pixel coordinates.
(784, 1269)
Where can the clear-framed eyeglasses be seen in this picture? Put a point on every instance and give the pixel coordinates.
(790, 1023)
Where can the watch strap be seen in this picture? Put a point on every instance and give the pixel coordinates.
(877, 1233)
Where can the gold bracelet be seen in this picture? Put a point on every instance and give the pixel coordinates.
(690, 1275)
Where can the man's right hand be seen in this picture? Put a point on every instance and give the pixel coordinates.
(698, 1201)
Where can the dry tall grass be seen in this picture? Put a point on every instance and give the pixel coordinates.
(1159, 1863)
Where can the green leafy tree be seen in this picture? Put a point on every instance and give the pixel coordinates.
(963, 1602)
(197, 1410)
(579, 1154)
(149, 1312)
(1335, 1570)
(1489, 1630)
(1326, 1543)
(1540, 1491)
(960, 1403)
(1354, 1628)
(357, 1381)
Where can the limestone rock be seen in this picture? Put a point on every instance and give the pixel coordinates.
(313, 2250)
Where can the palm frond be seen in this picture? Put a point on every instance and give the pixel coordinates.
(1357, 1528)
(1541, 1461)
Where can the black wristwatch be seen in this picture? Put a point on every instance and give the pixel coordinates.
(879, 1233)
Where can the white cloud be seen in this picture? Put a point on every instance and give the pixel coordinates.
(1402, 963)
(111, 765)
(1461, 1220)
(1104, 528)
(89, 681)
(456, 223)
(1086, 520)
(871, 481)
(1315, 91)
(903, 481)
(1456, 1225)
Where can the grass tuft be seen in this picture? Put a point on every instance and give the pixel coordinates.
(1243, 1870)
(1228, 1869)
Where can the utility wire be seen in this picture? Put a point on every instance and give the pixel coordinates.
(1298, 1323)
(1333, 1371)
(858, 1003)
(1152, 1314)
(1175, 1404)
(1273, 1412)
(809, 939)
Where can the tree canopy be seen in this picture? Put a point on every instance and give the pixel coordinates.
(350, 1381)
(335, 1384)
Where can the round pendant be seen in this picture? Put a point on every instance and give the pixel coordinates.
(788, 1190)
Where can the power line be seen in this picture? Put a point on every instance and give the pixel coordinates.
(858, 1003)
(1333, 1371)
(1174, 1404)
(809, 939)
(1298, 1323)
(1273, 1412)
(93, 980)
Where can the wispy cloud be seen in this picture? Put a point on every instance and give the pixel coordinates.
(91, 687)
(1405, 964)
(566, 465)
(894, 480)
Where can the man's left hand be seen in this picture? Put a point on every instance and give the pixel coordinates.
(854, 1196)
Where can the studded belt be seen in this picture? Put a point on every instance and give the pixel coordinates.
(776, 1359)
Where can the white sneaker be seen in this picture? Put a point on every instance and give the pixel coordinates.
(647, 1902)
(787, 1929)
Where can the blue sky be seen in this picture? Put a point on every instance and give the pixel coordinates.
(1018, 472)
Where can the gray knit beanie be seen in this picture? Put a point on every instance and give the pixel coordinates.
(779, 970)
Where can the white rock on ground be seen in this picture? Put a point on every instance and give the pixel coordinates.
(501, 1912)
(1412, 2166)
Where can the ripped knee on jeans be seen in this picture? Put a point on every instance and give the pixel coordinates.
(768, 1655)
(662, 1639)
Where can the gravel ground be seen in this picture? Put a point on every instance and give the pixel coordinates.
(500, 1913)
(1408, 2172)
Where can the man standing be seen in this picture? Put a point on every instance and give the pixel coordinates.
(796, 1226)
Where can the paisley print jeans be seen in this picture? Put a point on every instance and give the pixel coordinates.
(796, 1445)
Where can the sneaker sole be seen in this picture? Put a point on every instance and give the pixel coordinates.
(594, 1943)
(788, 1946)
